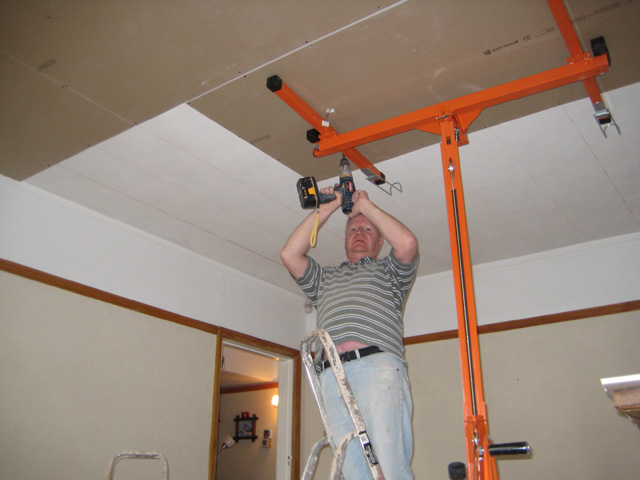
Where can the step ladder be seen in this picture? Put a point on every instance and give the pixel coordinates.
(359, 431)
(138, 455)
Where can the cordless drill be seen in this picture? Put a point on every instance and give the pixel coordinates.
(311, 196)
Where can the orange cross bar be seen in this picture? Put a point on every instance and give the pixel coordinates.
(467, 107)
(307, 113)
(566, 29)
(571, 40)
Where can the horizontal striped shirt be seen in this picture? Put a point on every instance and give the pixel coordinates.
(363, 301)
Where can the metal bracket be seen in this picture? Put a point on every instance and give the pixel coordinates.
(392, 186)
(325, 122)
(604, 118)
(378, 181)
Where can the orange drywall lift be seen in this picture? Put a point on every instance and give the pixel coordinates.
(450, 120)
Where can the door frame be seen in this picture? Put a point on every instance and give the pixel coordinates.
(230, 337)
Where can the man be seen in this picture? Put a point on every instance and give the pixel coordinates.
(360, 303)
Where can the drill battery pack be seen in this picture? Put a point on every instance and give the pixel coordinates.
(310, 195)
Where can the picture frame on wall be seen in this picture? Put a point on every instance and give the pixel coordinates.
(245, 427)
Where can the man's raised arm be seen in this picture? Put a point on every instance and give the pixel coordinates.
(293, 254)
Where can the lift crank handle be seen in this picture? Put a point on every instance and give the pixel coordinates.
(458, 470)
(514, 448)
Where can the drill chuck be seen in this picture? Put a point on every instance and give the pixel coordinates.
(346, 187)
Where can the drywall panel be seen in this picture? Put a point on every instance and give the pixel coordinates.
(136, 60)
(142, 58)
(84, 380)
(412, 56)
(44, 122)
(368, 60)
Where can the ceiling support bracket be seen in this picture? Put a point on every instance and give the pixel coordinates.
(322, 130)
(603, 116)
(466, 108)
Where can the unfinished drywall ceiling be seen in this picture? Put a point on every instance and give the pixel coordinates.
(120, 63)
(412, 56)
(75, 73)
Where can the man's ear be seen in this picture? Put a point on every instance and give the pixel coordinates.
(380, 244)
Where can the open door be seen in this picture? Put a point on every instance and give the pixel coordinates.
(254, 386)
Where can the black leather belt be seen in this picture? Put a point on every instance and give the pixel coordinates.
(351, 355)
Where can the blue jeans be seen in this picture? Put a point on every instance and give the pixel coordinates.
(381, 387)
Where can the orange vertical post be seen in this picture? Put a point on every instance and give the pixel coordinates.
(479, 462)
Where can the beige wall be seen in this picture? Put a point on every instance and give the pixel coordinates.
(248, 460)
(542, 385)
(82, 380)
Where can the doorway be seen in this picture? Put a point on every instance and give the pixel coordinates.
(249, 372)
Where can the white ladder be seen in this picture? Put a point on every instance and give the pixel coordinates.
(359, 430)
(138, 455)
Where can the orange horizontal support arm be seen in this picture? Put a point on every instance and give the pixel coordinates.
(467, 107)
(277, 86)
(291, 98)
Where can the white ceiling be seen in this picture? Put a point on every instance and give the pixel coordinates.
(540, 182)
(157, 114)
(241, 367)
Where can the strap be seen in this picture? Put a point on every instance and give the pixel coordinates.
(314, 232)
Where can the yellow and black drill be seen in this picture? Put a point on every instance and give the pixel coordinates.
(311, 196)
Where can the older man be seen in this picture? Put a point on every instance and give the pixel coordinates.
(361, 303)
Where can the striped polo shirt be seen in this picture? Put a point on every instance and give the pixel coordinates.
(363, 301)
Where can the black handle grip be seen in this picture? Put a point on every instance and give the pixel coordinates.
(457, 471)
(326, 198)
(514, 448)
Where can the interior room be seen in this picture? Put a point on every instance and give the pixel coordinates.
(148, 182)
(248, 397)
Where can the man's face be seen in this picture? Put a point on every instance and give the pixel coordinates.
(362, 239)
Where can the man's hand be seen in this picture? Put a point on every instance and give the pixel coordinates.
(333, 205)
(358, 197)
